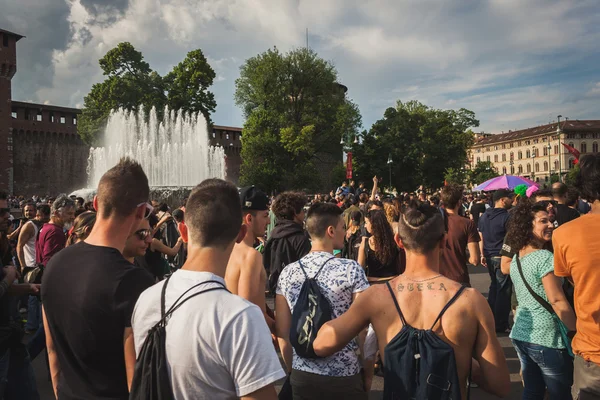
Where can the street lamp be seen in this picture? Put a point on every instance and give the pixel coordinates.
(511, 163)
(389, 163)
(549, 161)
(559, 149)
(533, 163)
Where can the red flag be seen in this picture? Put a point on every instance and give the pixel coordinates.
(573, 151)
(349, 166)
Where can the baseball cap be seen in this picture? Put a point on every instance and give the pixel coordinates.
(253, 199)
(502, 193)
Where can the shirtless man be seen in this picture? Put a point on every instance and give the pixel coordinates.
(246, 275)
(422, 292)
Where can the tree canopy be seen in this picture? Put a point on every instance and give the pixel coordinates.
(483, 171)
(423, 144)
(131, 84)
(296, 114)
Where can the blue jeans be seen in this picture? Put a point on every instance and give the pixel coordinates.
(499, 293)
(17, 380)
(545, 368)
(34, 314)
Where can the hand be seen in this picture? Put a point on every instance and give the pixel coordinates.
(10, 272)
(375, 180)
(34, 288)
(483, 261)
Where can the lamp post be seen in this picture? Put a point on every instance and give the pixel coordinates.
(559, 149)
(511, 163)
(533, 163)
(389, 163)
(549, 161)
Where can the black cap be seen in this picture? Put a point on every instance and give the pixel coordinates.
(502, 193)
(253, 199)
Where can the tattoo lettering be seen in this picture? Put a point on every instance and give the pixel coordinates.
(420, 287)
(411, 287)
(430, 286)
(442, 287)
(400, 287)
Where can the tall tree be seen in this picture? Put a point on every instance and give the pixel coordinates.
(296, 113)
(483, 171)
(131, 84)
(422, 143)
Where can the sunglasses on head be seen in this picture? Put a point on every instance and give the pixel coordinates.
(149, 208)
(142, 234)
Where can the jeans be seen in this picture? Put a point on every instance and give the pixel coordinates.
(17, 381)
(545, 368)
(499, 293)
(34, 314)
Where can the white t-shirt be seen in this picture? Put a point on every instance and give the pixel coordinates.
(218, 345)
(338, 281)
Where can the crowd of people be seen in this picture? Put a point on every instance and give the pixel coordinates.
(363, 283)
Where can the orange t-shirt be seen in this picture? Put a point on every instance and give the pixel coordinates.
(577, 255)
(183, 231)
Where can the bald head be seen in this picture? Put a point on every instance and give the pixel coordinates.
(559, 192)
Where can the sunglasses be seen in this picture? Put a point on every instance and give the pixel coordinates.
(149, 208)
(142, 234)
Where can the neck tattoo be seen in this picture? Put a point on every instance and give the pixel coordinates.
(423, 280)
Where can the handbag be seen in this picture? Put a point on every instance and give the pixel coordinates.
(33, 274)
(562, 328)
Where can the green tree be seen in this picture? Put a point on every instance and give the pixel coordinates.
(296, 113)
(422, 142)
(455, 175)
(483, 171)
(132, 85)
(571, 175)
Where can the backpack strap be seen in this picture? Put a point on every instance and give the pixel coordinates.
(162, 297)
(314, 277)
(452, 300)
(396, 303)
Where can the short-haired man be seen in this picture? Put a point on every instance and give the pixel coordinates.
(422, 293)
(564, 213)
(492, 230)
(29, 213)
(461, 234)
(576, 257)
(341, 281)
(137, 244)
(89, 293)
(52, 236)
(289, 241)
(217, 344)
(246, 275)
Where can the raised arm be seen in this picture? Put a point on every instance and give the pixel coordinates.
(159, 246)
(558, 300)
(374, 191)
(490, 371)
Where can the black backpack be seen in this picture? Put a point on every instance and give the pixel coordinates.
(418, 364)
(311, 311)
(151, 377)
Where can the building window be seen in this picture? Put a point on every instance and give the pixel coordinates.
(528, 168)
(495, 147)
(545, 150)
(527, 155)
(52, 117)
(63, 119)
(594, 135)
(503, 146)
(537, 167)
(511, 145)
(38, 117)
(504, 170)
(214, 135)
(555, 165)
(584, 147)
(571, 163)
(503, 157)
(545, 179)
(535, 141)
(520, 155)
(571, 144)
(594, 147)
(495, 157)
(545, 165)
(13, 114)
(75, 120)
(488, 158)
(555, 149)
(478, 160)
(520, 169)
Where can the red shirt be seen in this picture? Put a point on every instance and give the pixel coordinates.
(52, 239)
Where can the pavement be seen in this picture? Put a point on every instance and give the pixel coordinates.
(480, 280)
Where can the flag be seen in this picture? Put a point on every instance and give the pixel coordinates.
(349, 166)
(573, 151)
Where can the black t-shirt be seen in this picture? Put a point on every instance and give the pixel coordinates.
(565, 214)
(476, 210)
(88, 294)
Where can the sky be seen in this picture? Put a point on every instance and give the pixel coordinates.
(516, 64)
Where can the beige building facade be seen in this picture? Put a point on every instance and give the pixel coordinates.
(537, 153)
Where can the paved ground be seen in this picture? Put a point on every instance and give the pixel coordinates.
(479, 279)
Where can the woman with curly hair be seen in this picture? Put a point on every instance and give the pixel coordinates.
(378, 254)
(82, 226)
(543, 352)
(391, 212)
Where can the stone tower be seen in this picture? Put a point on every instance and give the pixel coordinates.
(8, 68)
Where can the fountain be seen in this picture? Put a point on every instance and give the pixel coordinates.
(175, 153)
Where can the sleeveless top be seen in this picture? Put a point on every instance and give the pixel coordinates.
(29, 247)
(376, 269)
(418, 364)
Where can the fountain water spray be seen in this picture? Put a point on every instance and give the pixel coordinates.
(174, 153)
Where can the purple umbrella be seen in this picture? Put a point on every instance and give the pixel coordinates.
(504, 182)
